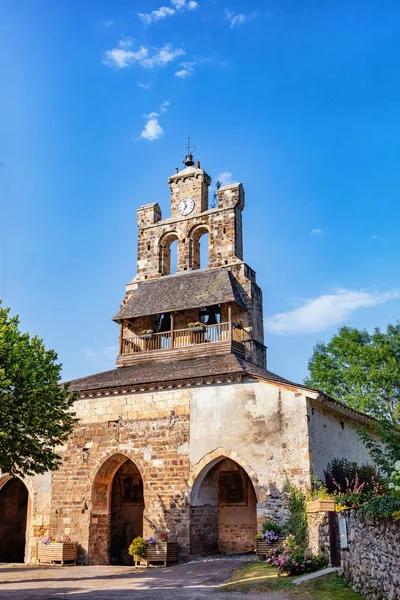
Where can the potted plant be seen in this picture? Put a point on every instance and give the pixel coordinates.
(137, 549)
(145, 334)
(238, 324)
(161, 549)
(319, 499)
(52, 550)
(196, 326)
(269, 539)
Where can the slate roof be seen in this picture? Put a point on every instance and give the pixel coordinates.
(182, 291)
(155, 372)
(195, 368)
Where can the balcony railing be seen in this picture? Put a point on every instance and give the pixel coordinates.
(179, 338)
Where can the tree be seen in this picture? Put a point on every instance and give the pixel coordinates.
(35, 410)
(360, 369)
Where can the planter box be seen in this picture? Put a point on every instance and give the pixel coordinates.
(165, 552)
(196, 329)
(57, 552)
(321, 506)
(145, 336)
(263, 547)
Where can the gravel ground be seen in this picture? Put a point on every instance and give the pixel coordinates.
(198, 580)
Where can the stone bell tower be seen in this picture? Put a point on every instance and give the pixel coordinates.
(227, 284)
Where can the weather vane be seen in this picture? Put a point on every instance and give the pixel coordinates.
(189, 156)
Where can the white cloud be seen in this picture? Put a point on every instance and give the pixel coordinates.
(144, 86)
(186, 71)
(325, 312)
(152, 130)
(167, 11)
(316, 231)
(152, 115)
(125, 43)
(164, 106)
(120, 57)
(109, 24)
(225, 178)
(162, 57)
(238, 18)
(156, 15)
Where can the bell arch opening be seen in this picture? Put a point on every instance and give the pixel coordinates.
(168, 252)
(223, 509)
(199, 258)
(117, 511)
(14, 500)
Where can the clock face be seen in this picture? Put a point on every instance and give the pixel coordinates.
(186, 206)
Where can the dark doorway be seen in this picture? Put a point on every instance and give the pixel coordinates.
(13, 516)
(127, 505)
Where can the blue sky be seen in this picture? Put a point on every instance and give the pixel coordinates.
(297, 99)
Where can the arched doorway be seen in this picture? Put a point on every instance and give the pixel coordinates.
(223, 509)
(14, 499)
(127, 505)
(117, 511)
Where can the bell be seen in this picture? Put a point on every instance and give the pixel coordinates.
(189, 160)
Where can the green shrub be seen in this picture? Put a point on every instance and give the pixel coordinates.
(291, 559)
(137, 549)
(271, 526)
(343, 475)
(380, 507)
(297, 522)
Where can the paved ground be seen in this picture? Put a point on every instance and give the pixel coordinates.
(193, 581)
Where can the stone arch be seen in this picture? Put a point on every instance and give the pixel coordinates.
(15, 517)
(224, 496)
(119, 479)
(164, 247)
(212, 458)
(194, 245)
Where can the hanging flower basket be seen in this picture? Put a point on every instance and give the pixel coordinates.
(57, 552)
(145, 334)
(197, 326)
(326, 505)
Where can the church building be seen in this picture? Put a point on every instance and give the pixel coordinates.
(191, 434)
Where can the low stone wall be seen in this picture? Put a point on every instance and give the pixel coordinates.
(371, 564)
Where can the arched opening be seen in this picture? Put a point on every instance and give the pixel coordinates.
(199, 248)
(117, 511)
(14, 498)
(223, 509)
(169, 254)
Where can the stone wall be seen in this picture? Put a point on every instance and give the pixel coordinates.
(318, 534)
(371, 564)
(151, 429)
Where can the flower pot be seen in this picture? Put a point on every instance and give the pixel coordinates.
(57, 552)
(263, 547)
(165, 552)
(145, 336)
(316, 506)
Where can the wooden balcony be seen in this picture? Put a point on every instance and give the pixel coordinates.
(212, 339)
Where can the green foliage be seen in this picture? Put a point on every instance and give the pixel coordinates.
(383, 443)
(35, 410)
(360, 369)
(297, 523)
(380, 507)
(394, 482)
(271, 526)
(342, 476)
(318, 490)
(137, 548)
